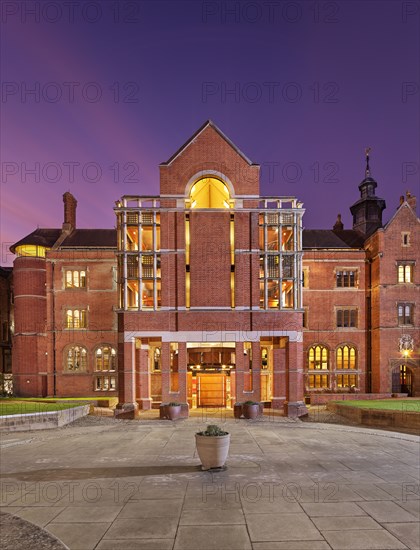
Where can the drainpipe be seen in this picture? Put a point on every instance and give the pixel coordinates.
(53, 329)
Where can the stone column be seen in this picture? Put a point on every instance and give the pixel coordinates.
(256, 371)
(295, 396)
(182, 372)
(144, 377)
(165, 365)
(279, 378)
(239, 363)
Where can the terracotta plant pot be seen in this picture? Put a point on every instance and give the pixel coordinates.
(251, 411)
(212, 450)
(237, 410)
(173, 411)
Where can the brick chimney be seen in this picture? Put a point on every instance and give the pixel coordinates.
(411, 200)
(338, 226)
(70, 204)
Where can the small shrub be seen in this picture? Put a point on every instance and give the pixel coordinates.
(213, 431)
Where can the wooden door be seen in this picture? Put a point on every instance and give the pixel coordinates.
(211, 389)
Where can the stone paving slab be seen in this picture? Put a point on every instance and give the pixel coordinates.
(110, 485)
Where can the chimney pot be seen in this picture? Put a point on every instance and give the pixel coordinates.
(411, 200)
(338, 226)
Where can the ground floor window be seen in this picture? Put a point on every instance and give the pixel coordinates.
(346, 380)
(316, 381)
(75, 359)
(105, 383)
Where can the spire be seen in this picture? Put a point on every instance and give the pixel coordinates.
(367, 211)
(338, 226)
(367, 170)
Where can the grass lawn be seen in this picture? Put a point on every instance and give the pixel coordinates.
(20, 406)
(406, 405)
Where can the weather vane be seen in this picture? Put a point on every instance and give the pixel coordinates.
(367, 153)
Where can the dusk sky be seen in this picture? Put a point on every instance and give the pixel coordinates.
(96, 94)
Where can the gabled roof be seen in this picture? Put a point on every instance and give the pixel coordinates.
(398, 210)
(327, 238)
(91, 238)
(211, 124)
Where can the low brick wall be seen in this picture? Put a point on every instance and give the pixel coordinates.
(42, 420)
(374, 417)
(324, 398)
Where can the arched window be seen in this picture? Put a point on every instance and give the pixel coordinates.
(75, 359)
(346, 358)
(318, 358)
(318, 361)
(210, 193)
(105, 359)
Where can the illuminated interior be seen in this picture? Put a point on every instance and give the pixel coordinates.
(31, 250)
(210, 193)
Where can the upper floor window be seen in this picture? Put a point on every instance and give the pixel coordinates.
(405, 272)
(76, 318)
(346, 317)
(405, 313)
(75, 359)
(318, 358)
(210, 193)
(75, 279)
(405, 238)
(346, 279)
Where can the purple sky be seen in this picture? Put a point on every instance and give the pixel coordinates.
(311, 84)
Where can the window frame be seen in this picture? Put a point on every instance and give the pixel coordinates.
(72, 271)
(402, 271)
(353, 277)
(349, 312)
(402, 319)
(84, 316)
(84, 359)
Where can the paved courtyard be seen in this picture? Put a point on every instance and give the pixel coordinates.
(108, 485)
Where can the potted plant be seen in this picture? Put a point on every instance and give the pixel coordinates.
(251, 409)
(237, 410)
(173, 410)
(212, 447)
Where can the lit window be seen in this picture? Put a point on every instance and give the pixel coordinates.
(346, 380)
(76, 318)
(318, 381)
(105, 359)
(75, 279)
(210, 193)
(31, 250)
(405, 313)
(318, 358)
(346, 279)
(346, 358)
(76, 359)
(405, 272)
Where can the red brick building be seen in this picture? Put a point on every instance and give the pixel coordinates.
(65, 292)
(210, 306)
(201, 295)
(361, 287)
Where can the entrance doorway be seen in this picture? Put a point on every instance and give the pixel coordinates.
(211, 389)
(402, 380)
